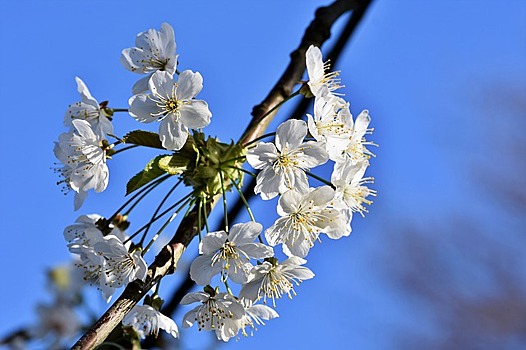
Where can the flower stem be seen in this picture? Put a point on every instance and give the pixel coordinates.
(166, 223)
(225, 209)
(245, 203)
(200, 205)
(320, 179)
(205, 215)
(148, 188)
(294, 94)
(158, 217)
(123, 149)
(225, 281)
(160, 206)
(119, 109)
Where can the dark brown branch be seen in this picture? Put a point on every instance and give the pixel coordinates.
(165, 262)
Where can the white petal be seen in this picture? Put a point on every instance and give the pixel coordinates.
(314, 63)
(263, 155)
(250, 290)
(85, 94)
(143, 109)
(290, 202)
(162, 83)
(245, 232)
(202, 271)
(167, 39)
(361, 124)
(195, 114)
(141, 85)
(172, 134)
(257, 250)
(239, 274)
(290, 135)
(212, 242)
(189, 85)
(267, 183)
(194, 297)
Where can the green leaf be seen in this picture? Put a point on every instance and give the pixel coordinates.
(143, 138)
(150, 172)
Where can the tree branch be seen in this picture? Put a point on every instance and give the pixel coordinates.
(165, 262)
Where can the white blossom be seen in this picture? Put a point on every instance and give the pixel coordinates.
(350, 190)
(86, 231)
(83, 154)
(154, 51)
(219, 312)
(321, 82)
(332, 124)
(120, 266)
(303, 218)
(172, 104)
(283, 165)
(229, 253)
(272, 279)
(146, 320)
(356, 150)
(88, 109)
(255, 314)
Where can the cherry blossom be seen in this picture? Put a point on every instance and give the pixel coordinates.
(219, 312)
(229, 253)
(349, 181)
(173, 104)
(272, 279)
(146, 320)
(332, 123)
(303, 218)
(154, 51)
(356, 150)
(88, 109)
(321, 82)
(283, 164)
(83, 154)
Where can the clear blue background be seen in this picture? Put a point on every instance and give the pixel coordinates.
(442, 247)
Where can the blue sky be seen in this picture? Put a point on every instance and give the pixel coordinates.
(428, 72)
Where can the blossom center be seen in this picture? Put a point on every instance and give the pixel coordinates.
(212, 315)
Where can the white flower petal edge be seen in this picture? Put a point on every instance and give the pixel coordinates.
(220, 312)
(356, 150)
(154, 51)
(84, 157)
(350, 190)
(88, 109)
(321, 83)
(272, 279)
(146, 320)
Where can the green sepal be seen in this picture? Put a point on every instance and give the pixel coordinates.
(143, 138)
(151, 172)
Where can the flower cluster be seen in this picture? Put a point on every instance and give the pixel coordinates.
(305, 212)
(83, 150)
(105, 258)
(243, 253)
